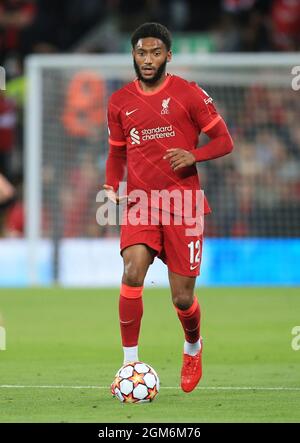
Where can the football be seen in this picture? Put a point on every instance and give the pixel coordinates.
(135, 382)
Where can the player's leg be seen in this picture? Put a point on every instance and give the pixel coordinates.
(139, 243)
(183, 249)
(137, 259)
(188, 311)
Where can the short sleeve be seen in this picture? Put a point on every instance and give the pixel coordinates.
(203, 111)
(115, 131)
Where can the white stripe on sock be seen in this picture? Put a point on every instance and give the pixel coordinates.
(191, 348)
(130, 354)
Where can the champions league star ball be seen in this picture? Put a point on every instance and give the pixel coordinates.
(135, 382)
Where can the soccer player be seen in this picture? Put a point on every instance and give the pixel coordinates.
(154, 124)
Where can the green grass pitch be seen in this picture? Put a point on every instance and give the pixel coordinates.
(63, 349)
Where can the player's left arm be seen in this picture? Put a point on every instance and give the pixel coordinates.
(220, 144)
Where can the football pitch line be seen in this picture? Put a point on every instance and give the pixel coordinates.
(203, 388)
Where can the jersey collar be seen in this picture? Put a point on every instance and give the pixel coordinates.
(162, 86)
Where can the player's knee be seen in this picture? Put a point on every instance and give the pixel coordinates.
(182, 299)
(133, 275)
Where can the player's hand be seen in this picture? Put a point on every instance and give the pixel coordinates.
(7, 190)
(179, 158)
(112, 196)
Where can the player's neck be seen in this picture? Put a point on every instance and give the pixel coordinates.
(152, 88)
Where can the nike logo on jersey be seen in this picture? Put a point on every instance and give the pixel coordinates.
(194, 267)
(130, 112)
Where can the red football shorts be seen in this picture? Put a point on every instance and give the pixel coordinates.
(179, 246)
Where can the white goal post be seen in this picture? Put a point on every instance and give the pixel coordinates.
(255, 94)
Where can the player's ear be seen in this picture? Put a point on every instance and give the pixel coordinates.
(169, 56)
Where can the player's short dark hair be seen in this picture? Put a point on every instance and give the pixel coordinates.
(155, 30)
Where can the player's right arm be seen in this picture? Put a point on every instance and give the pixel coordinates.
(117, 156)
(115, 171)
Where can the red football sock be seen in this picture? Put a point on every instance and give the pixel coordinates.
(130, 314)
(190, 320)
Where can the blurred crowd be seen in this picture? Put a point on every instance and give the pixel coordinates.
(260, 178)
(30, 26)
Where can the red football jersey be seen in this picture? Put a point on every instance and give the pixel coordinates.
(150, 123)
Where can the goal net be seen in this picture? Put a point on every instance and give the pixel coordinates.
(254, 192)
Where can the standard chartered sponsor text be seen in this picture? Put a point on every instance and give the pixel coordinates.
(157, 133)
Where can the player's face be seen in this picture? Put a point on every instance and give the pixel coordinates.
(150, 57)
